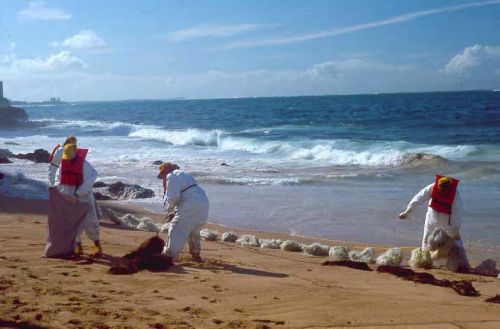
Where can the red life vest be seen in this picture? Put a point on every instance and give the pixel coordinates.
(51, 156)
(72, 170)
(442, 202)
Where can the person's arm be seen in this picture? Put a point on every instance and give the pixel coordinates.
(173, 192)
(421, 197)
(89, 177)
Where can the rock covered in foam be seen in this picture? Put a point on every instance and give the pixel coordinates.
(208, 235)
(132, 221)
(146, 224)
(316, 249)
(393, 257)
(249, 240)
(271, 243)
(440, 241)
(367, 255)
(290, 245)
(420, 259)
(229, 237)
(487, 267)
(339, 253)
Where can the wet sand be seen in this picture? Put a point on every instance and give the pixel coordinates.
(236, 287)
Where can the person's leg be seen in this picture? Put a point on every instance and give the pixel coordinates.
(178, 233)
(195, 243)
(428, 228)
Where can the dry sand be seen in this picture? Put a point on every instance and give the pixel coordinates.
(235, 288)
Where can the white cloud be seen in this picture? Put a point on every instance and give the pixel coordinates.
(61, 75)
(39, 10)
(349, 29)
(85, 39)
(215, 31)
(62, 61)
(473, 57)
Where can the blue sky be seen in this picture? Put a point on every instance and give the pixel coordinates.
(100, 50)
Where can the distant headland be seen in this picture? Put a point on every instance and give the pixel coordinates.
(10, 116)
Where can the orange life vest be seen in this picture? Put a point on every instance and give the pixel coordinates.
(51, 156)
(72, 170)
(442, 202)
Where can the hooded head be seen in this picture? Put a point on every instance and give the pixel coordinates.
(70, 140)
(69, 151)
(166, 168)
(444, 184)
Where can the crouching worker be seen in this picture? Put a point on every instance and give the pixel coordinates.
(187, 204)
(444, 211)
(75, 179)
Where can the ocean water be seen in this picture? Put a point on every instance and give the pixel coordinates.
(338, 167)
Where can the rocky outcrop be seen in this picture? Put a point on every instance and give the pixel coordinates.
(121, 191)
(39, 156)
(157, 162)
(11, 116)
(4, 155)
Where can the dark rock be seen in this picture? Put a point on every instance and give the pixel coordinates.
(11, 143)
(11, 116)
(39, 156)
(121, 191)
(100, 196)
(100, 184)
(2, 175)
(5, 153)
(157, 162)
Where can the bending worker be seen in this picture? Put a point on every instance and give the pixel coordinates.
(444, 211)
(187, 205)
(75, 179)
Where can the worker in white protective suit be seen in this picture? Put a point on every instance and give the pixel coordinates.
(187, 207)
(55, 159)
(445, 208)
(75, 180)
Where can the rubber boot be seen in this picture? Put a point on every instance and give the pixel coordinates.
(97, 249)
(78, 249)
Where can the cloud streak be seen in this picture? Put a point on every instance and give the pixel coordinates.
(38, 10)
(216, 31)
(85, 39)
(359, 27)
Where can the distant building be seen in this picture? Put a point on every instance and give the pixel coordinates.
(3, 100)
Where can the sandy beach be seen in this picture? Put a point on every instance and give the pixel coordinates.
(236, 287)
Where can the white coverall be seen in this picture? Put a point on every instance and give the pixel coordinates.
(54, 166)
(434, 219)
(191, 212)
(85, 194)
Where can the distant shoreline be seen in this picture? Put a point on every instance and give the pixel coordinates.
(173, 99)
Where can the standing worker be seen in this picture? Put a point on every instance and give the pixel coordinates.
(55, 159)
(187, 206)
(444, 211)
(75, 179)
